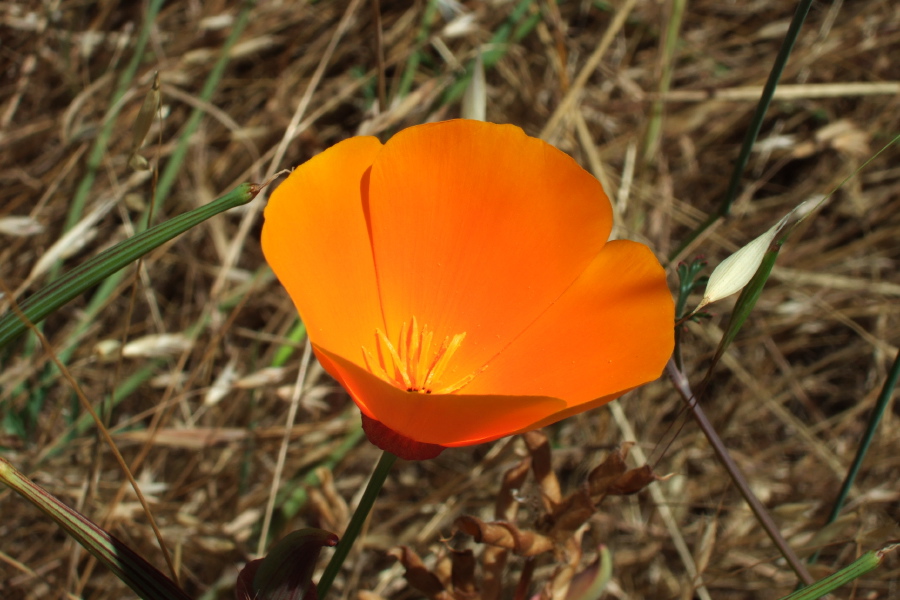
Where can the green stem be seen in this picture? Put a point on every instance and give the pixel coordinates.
(756, 122)
(887, 392)
(356, 522)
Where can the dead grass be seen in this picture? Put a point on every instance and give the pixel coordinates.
(790, 399)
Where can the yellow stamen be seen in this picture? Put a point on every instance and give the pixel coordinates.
(443, 357)
(459, 384)
(404, 343)
(399, 365)
(409, 364)
(424, 349)
(374, 366)
(412, 360)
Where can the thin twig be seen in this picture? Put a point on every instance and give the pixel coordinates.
(684, 388)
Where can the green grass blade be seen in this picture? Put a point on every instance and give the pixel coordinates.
(285, 351)
(90, 273)
(142, 577)
(412, 63)
(513, 29)
(867, 562)
(884, 398)
(759, 114)
(102, 140)
(673, 32)
(173, 165)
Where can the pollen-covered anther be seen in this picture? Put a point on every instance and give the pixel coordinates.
(410, 364)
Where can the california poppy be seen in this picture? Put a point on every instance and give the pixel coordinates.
(457, 281)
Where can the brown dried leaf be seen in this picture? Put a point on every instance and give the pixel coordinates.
(493, 562)
(632, 481)
(507, 506)
(608, 471)
(505, 535)
(574, 512)
(418, 576)
(542, 466)
(463, 574)
(557, 585)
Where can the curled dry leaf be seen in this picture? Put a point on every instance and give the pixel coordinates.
(418, 575)
(570, 515)
(463, 574)
(606, 473)
(493, 563)
(505, 535)
(633, 481)
(507, 505)
(541, 464)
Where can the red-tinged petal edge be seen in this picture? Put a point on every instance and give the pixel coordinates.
(397, 444)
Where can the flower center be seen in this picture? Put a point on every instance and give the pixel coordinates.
(411, 364)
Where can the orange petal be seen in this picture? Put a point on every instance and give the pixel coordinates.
(613, 330)
(443, 419)
(316, 240)
(477, 228)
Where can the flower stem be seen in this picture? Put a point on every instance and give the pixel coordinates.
(356, 522)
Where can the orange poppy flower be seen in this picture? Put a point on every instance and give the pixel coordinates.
(458, 283)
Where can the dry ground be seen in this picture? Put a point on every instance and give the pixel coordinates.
(790, 399)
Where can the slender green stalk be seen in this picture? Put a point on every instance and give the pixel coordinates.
(756, 122)
(867, 562)
(884, 398)
(356, 522)
(98, 268)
